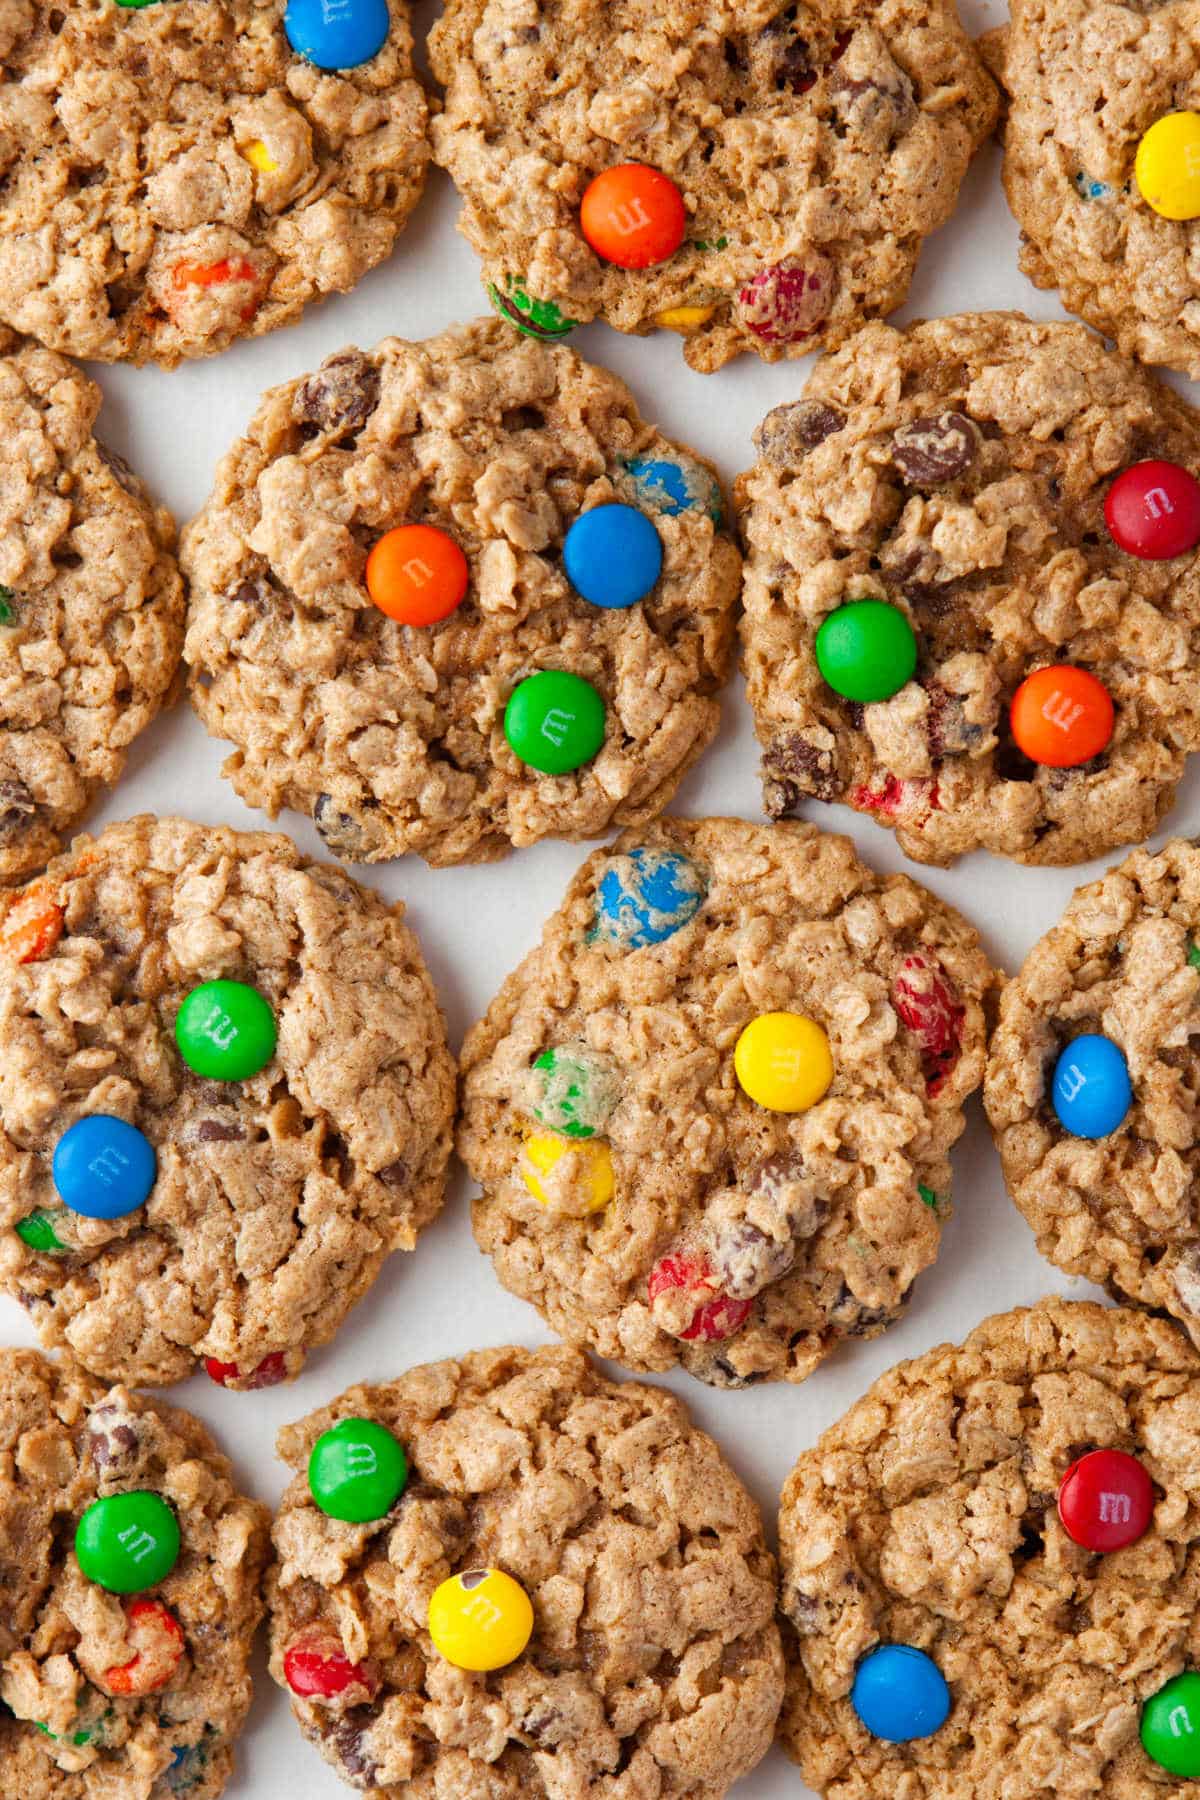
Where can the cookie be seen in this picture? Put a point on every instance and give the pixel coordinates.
(91, 604)
(711, 1114)
(1015, 503)
(571, 1594)
(754, 177)
(388, 613)
(130, 1590)
(991, 1568)
(225, 1097)
(1087, 83)
(180, 176)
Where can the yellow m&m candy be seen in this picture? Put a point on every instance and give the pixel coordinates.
(782, 1062)
(1167, 166)
(480, 1620)
(584, 1181)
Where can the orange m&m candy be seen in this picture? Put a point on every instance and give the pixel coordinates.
(417, 575)
(1061, 716)
(633, 216)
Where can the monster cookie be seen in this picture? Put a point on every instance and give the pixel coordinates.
(455, 596)
(1102, 165)
(91, 604)
(178, 176)
(991, 1569)
(505, 1576)
(711, 1115)
(752, 176)
(972, 599)
(225, 1096)
(130, 1573)
(1091, 1087)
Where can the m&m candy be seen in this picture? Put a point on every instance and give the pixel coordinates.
(417, 575)
(708, 1314)
(268, 1373)
(645, 897)
(481, 1620)
(225, 1031)
(127, 1542)
(1171, 1726)
(584, 1182)
(1061, 716)
(576, 1090)
(532, 318)
(783, 1062)
(554, 721)
(1167, 166)
(674, 486)
(900, 1694)
(156, 1637)
(1091, 1090)
(336, 34)
(612, 555)
(357, 1471)
(104, 1168)
(1106, 1501)
(1152, 511)
(43, 1231)
(316, 1667)
(866, 650)
(633, 216)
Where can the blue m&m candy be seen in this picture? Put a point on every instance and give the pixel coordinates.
(674, 486)
(337, 34)
(647, 896)
(104, 1168)
(613, 555)
(1091, 1089)
(900, 1693)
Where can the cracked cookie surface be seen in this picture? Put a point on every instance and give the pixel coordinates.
(64, 1443)
(91, 605)
(654, 1670)
(741, 1242)
(815, 146)
(391, 736)
(277, 1198)
(177, 176)
(1122, 962)
(927, 1516)
(958, 469)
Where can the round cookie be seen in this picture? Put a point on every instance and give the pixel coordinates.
(139, 1693)
(813, 150)
(91, 604)
(928, 1518)
(399, 737)
(274, 1196)
(1087, 81)
(178, 176)
(1122, 964)
(634, 1190)
(958, 471)
(654, 1665)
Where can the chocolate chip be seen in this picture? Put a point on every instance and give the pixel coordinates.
(113, 1438)
(341, 831)
(789, 431)
(348, 1745)
(17, 807)
(950, 732)
(748, 1260)
(784, 1180)
(800, 767)
(252, 593)
(805, 1613)
(394, 1174)
(541, 1724)
(120, 468)
(218, 1131)
(472, 1579)
(341, 396)
(853, 1319)
(936, 449)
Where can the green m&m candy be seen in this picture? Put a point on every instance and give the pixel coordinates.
(127, 1542)
(44, 1231)
(554, 721)
(866, 650)
(225, 1031)
(576, 1090)
(357, 1471)
(1171, 1726)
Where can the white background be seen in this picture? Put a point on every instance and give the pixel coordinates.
(475, 924)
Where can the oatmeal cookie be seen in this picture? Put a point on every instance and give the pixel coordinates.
(959, 471)
(935, 1517)
(133, 974)
(813, 148)
(654, 1668)
(1123, 965)
(634, 1190)
(135, 1692)
(91, 604)
(179, 176)
(399, 737)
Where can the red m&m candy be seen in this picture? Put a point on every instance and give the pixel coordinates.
(710, 1314)
(156, 1637)
(633, 216)
(268, 1373)
(316, 1667)
(1106, 1501)
(1153, 511)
